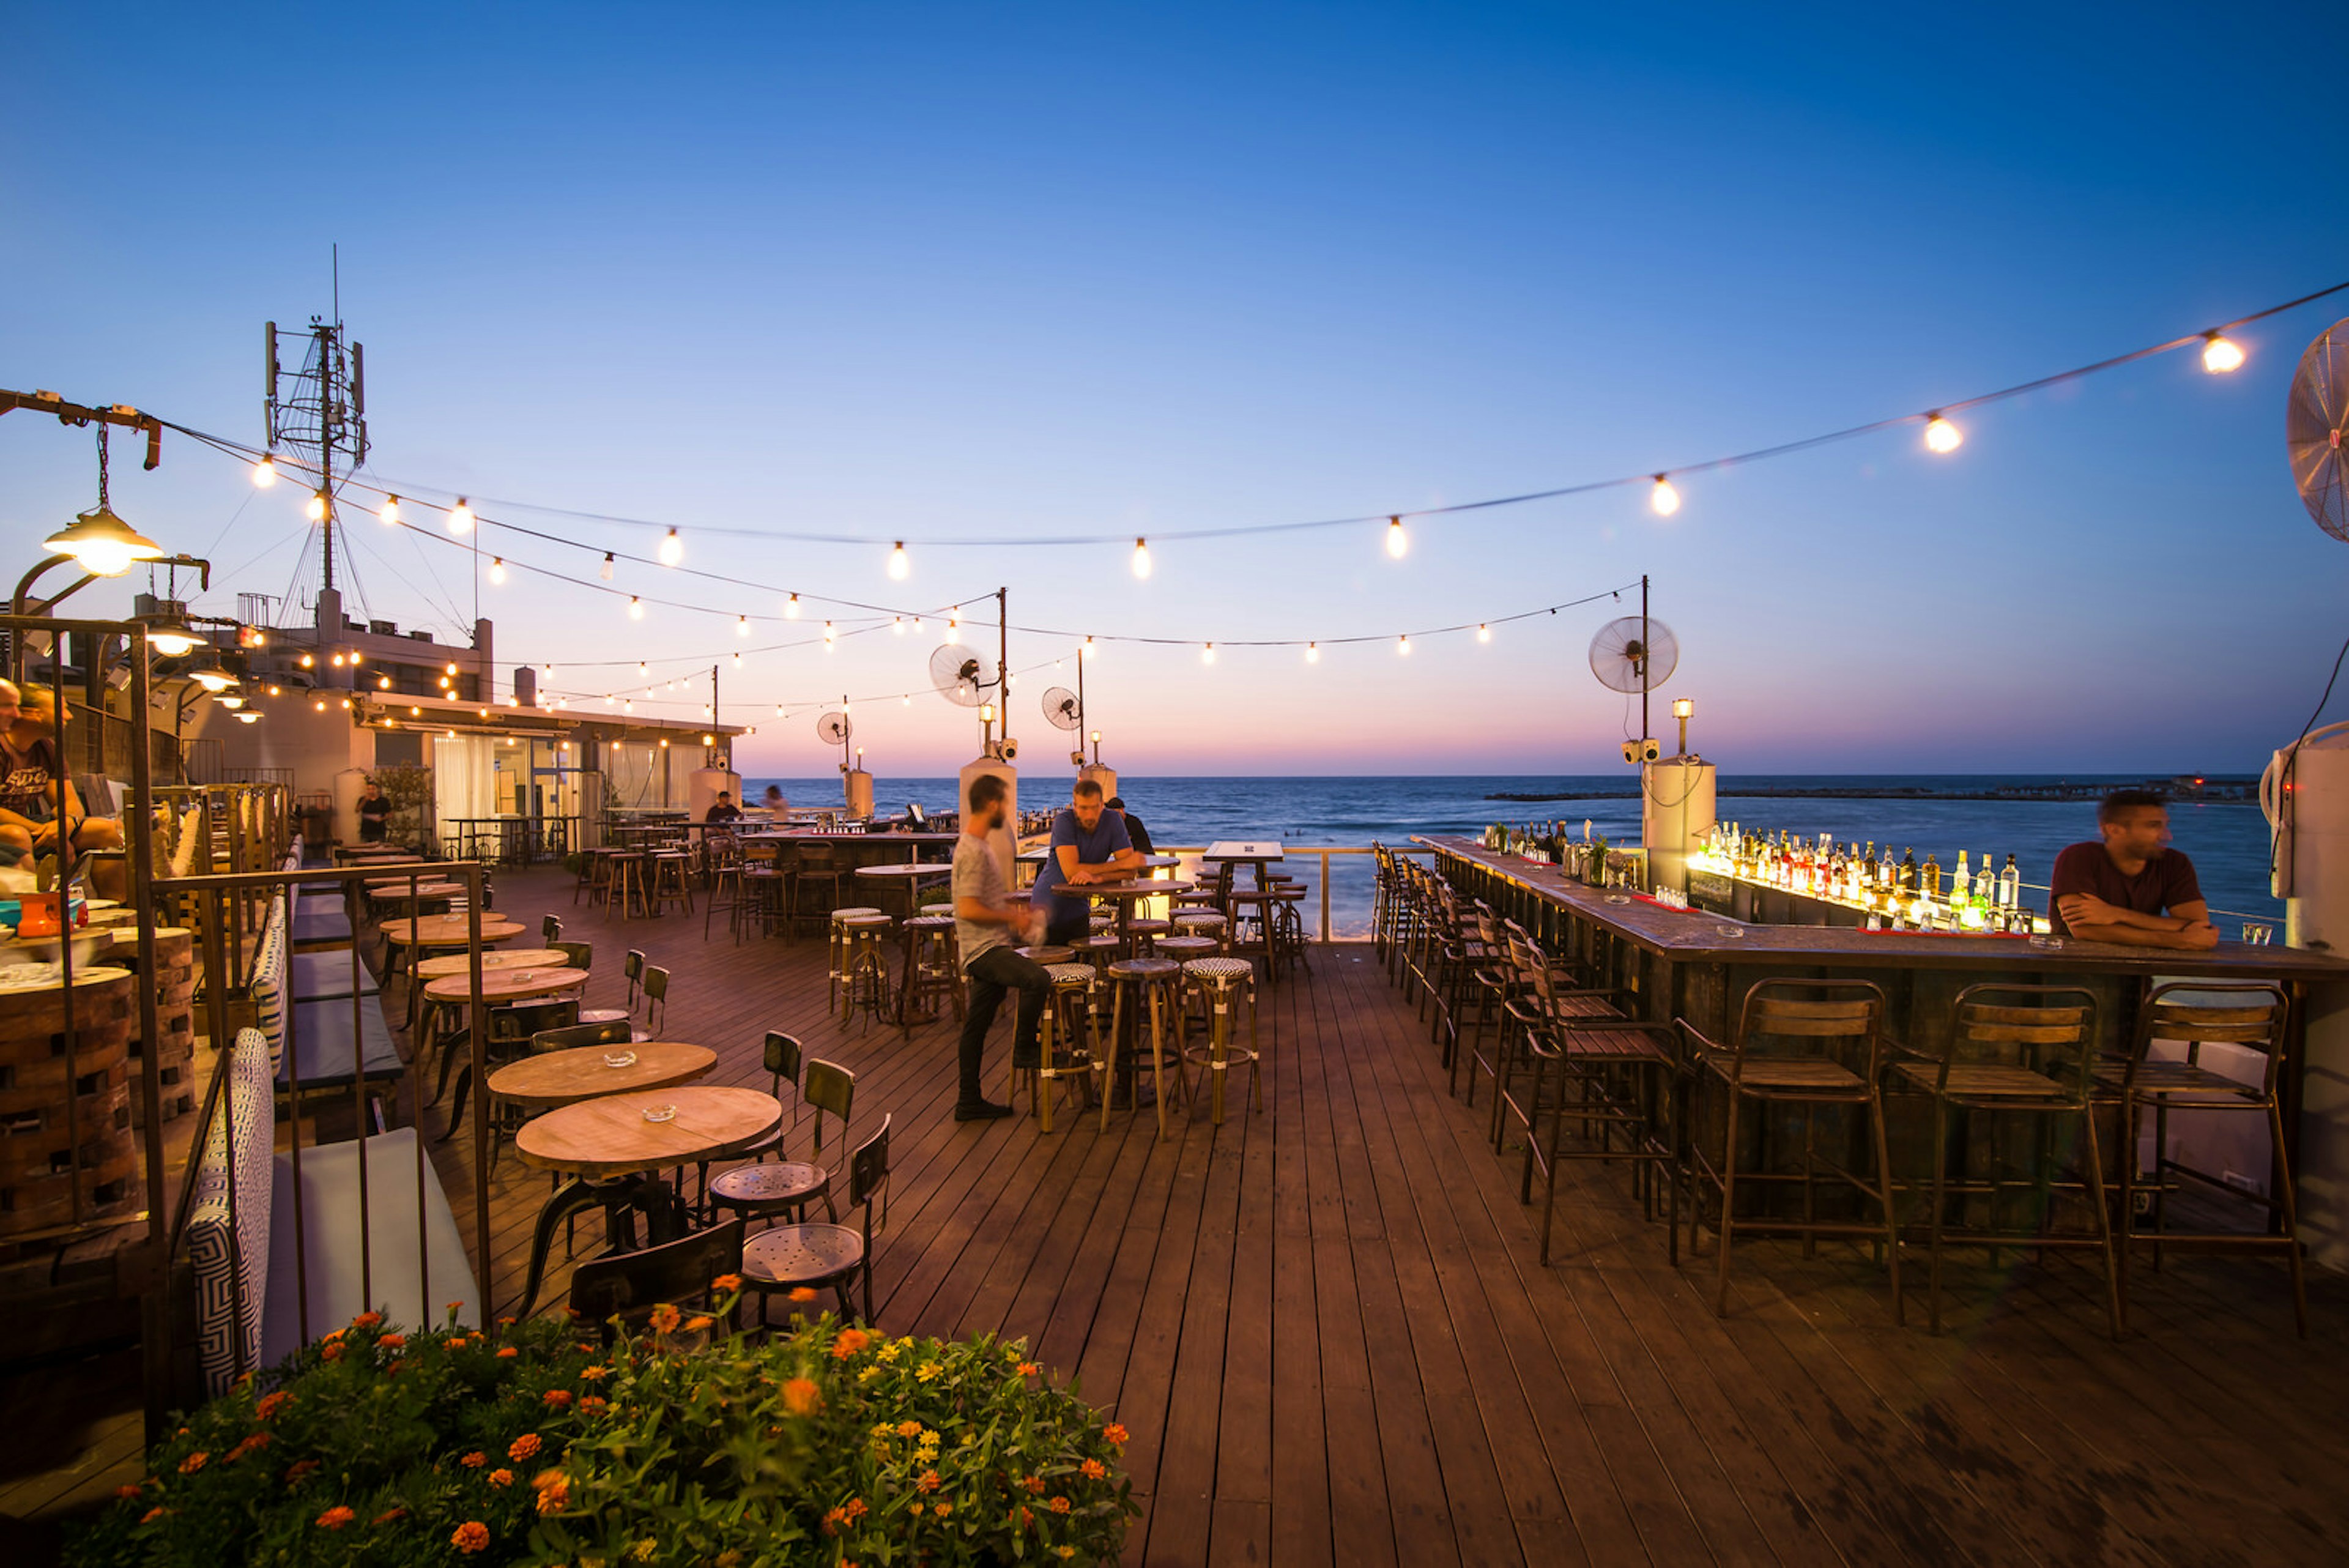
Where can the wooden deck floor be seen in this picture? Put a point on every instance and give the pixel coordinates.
(1327, 1330)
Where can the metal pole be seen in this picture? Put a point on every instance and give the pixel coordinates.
(1646, 657)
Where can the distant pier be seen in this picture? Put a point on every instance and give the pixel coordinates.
(2199, 790)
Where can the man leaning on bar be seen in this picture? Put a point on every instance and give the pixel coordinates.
(2130, 887)
(1089, 845)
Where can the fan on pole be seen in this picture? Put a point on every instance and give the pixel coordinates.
(834, 730)
(1636, 653)
(1063, 712)
(2316, 427)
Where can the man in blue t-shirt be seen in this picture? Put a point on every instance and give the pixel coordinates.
(1089, 845)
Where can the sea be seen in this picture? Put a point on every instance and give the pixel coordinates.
(2226, 840)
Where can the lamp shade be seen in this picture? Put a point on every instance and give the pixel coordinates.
(104, 544)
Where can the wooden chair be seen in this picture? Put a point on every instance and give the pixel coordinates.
(632, 969)
(2011, 1051)
(655, 999)
(816, 1255)
(2248, 1018)
(625, 1287)
(1806, 1046)
(551, 930)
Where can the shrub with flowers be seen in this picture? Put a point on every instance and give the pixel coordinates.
(534, 1443)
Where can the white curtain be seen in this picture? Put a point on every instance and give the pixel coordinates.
(461, 778)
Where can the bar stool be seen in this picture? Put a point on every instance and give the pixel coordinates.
(626, 885)
(867, 979)
(1067, 1043)
(670, 884)
(836, 952)
(933, 970)
(1156, 985)
(2250, 1019)
(1144, 934)
(1225, 981)
(1202, 923)
(1285, 928)
(589, 882)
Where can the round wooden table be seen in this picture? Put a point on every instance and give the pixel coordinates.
(446, 931)
(510, 985)
(902, 878)
(401, 893)
(1129, 897)
(505, 958)
(566, 1077)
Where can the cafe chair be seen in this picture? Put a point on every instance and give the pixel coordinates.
(2010, 1051)
(2246, 1023)
(1064, 1047)
(817, 1256)
(787, 1186)
(655, 1001)
(1801, 1045)
(513, 1026)
(623, 1289)
(550, 929)
(632, 969)
(573, 1037)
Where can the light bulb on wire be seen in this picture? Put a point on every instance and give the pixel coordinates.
(792, 608)
(1207, 654)
(1483, 632)
(1663, 499)
(314, 509)
(1402, 645)
(2220, 354)
(636, 608)
(497, 571)
(1142, 557)
(605, 571)
(954, 628)
(1397, 542)
(741, 626)
(897, 624)
(264, 472)
(827, 634)
(460, 516)
(1087, 651)
(389, 511)
(1312, 653)
(672, 548)
(899, 566)
(1940, 435)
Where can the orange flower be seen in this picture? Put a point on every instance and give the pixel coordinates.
(391, 1341)
(126, 1491)
(726, 1282)
(1060, 1505)
(664, 1319)
(928, 1481)
(523, 1447)
(855, 1508)
(299, 1469)
(475, 1461)
(1030, 1368)
(332, 1350)
(388, 1515)
(943, 1509)
(152, 1514)
(591, 1405)
(554, 1492)
(455, 1307)
(593, 1374)
(501, 1477)
(849, 1342)
(507, 1352)
(558, 1398)
(471, 1536)
(1034, 1484)
(335, 1518)
(1114, 1434)
(1094, 1469)
(267, 1407)
(803, 1294)
(695, 1324)
(801, 1395)
(909, 1429)
(366, 1320)
(193, 1462)
(257, 1441)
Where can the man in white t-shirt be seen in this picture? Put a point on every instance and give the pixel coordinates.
(989, 928)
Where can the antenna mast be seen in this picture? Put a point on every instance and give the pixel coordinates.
(320, 412)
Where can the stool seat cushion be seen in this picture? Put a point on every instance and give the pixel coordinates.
(1196, 947)
(783, 1185)
(809, 1254)
(1070, 973)
(1220, 969)
(1046, 956)
(856, 913)
(930, 923)
(1144, 969)
(1201, 920)
(872, 922)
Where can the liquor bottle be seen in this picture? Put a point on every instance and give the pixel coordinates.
(1985, 889)
(1960, 882)
(2010, 885)
(1928, 882)
(1908, 883)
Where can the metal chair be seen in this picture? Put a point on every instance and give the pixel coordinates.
(551, 930)
(632, 969)
(1156, 985)
(1806, 1046)
(1225, 983)
(655, 999)
(625, 1287)
(815, 1256)
(787, 1186)
(2248, 1018)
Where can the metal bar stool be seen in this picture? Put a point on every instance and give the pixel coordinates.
(1225, 981)
(1156, 985)
(1067, 1043)
(838, 946)
(1202, 923)
(867, 979)
(933, 972)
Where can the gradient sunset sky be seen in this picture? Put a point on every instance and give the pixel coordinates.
(976, 274)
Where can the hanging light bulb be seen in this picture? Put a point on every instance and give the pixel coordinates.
(1086, 651)
(827, 634)
(909, 699)
(898, 626)
(610, 700)
(451, 667)
(1402, 645)
(2220, 354)
(383, 682)
(1207, 654)
(672, 548)
(460, 516)
(264, 472)
(954, 628)
(605, 571)
(497, 571)
(792, 608)
(636, 608)
(1940, 435)
(314, 509)
(1397, 542)
(642, 669)
(1312, 653)
(1142, 557)
(918, 626)
(1664, 500)
(337, 661)
(738, 661)
(899, 566)
(1484, 633)
(307, 660)
(389, 511)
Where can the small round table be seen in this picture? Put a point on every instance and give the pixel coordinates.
(903, 877)
(513, 983)
(615, 1157)
(441, 967)
(446, 931)
(566, 1077)
(1129, 897)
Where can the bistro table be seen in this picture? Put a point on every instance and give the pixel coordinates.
(585, 1072)
(401, 892)
(446, 931)
(903, 879)
(508, 983)
(1129, 897)
(615, 1157)
(441, 967)
(1255, 851)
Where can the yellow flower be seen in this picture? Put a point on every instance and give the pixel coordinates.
(927, 1371)
(868, 1375)
(643, 1551)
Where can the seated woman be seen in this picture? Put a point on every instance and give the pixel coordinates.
(35, 794)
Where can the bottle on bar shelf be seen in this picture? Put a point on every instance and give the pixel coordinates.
(1960, 882)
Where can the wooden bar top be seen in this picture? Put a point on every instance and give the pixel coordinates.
(1696, 936)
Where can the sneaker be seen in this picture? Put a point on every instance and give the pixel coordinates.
(984, 1111)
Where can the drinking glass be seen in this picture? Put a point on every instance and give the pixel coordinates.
(2258, 935)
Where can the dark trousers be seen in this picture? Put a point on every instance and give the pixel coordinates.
(1062, 929)
(991, 973)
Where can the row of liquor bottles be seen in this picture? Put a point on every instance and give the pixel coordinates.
(1896, 894)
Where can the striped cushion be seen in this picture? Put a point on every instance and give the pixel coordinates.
(230, 1255)
(1219, 968)
(1070, 973)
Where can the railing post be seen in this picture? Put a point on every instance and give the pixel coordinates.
(1325, 898)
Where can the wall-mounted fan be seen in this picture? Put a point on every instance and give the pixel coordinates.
(1064, 710)
(1634, 653)
(2316, 429)
(834, 730)
(958, 675)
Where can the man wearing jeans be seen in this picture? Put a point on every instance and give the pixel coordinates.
(988, 926)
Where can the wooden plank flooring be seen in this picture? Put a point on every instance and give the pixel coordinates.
(1326, 1327)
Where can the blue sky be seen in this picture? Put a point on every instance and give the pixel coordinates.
(978, 273)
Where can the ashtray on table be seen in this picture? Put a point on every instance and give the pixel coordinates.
(661, 1113)
(619, 1058)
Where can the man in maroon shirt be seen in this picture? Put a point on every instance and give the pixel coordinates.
(2132, 888)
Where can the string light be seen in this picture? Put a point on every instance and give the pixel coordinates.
(1940, 435)
(337, 661)
(792, 608)
(642, 669)
(672, 548)
(636, 608)
(389, 511)
(738, 661)
(1142, 557)
(307, 661)
(460, 516)
(1402, 645)
(897, 624)
(452, 667)
(827, 634)
(1312, 653)
(264, 472)
(314, 509)
(2220, 354)
(605, 571)
(1088, 650)
(1207, 654)
(1397, 542)
(741, 626)
(1663, 498)
(954, 628)
(1484, 633)
(497, 571)
(909, 701)
(899, 566)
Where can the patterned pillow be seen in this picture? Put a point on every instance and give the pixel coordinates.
(230, 1251)
(268, 990)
